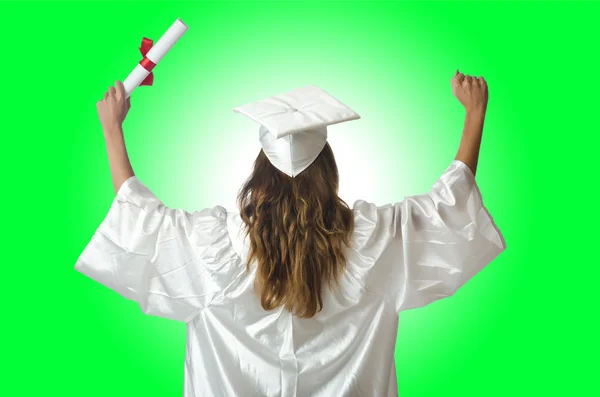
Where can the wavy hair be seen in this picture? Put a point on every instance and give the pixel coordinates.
(297, 229)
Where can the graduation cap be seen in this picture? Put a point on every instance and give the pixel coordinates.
(293, 125)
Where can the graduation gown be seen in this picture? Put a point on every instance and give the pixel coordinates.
(190, 267)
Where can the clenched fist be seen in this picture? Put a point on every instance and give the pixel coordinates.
(114, 107)
(471, 91)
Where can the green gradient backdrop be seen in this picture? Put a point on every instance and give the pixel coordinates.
(522, 327)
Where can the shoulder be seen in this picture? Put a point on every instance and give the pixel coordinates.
(235, 232)
(373, 224)
(225, 228)
(209, 217)
(208, 225)
(366, 213)
(217, 212)
(362, 207)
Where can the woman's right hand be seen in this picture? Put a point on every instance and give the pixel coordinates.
(471, 91)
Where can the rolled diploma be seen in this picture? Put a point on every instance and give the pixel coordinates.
(155, 54)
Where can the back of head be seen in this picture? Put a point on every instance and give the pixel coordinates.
(297, 228)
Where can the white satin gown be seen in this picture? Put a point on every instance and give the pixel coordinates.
(190, 267)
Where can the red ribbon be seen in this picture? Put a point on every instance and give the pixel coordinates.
(147, 63)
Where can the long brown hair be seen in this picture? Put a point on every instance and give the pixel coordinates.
(297, 228)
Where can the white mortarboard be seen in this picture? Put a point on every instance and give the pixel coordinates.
(293, 125)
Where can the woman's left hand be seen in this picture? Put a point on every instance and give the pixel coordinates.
(113, 109)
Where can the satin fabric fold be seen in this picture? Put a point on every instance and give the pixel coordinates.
(190, 267)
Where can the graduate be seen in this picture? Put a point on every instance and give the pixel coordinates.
(293, 293)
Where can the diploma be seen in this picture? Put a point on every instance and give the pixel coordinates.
(153, 55)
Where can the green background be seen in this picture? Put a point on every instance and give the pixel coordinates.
(523, 327)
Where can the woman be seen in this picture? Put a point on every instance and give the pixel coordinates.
(297, 294)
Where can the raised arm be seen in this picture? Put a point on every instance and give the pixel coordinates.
(120, 167)
(472, 92)
(112, 111)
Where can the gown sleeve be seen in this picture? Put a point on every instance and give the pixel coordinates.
(426, 247)
(167, 260)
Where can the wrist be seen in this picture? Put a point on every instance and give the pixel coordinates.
(112, 129)
(476, 112)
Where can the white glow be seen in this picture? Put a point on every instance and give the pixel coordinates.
(375, 165)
